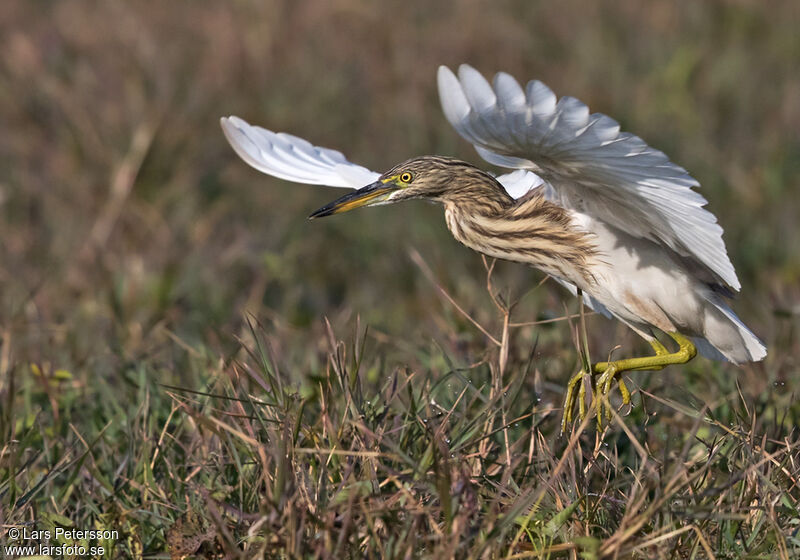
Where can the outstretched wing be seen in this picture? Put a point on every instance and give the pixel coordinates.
(586, 162)
(294, 159)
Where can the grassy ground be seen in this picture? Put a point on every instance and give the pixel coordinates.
(186, 360)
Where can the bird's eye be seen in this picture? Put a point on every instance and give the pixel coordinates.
(406, 177)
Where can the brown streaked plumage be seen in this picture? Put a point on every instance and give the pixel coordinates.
(481, 215)
(532, 230)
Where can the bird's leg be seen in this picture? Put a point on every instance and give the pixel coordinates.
(660, 350)
(610, 370)
(577, 381)
(663, 357)
(603, 386)
(607, 372)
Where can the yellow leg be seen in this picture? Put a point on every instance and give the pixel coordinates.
(604, 373)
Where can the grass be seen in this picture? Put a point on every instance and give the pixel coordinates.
(354, 457)
(185, 360)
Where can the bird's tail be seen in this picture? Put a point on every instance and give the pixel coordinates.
(727, 337)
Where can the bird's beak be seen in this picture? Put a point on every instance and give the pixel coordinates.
(370, 195)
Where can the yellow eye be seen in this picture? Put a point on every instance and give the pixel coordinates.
(406, 177)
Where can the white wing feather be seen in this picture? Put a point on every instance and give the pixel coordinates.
(586, 162)
(519, 182)
(294, 159)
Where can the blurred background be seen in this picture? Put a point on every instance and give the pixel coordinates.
(134, 240)
(125, 214)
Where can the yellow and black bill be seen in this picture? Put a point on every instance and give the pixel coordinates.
(374, 193)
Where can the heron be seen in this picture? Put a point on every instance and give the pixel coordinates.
(597, 209)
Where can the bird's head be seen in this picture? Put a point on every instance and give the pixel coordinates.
(429, 177)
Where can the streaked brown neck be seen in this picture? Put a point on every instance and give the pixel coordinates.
(478, 195)
(531, 230)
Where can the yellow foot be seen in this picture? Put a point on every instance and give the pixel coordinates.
(601, 388)
(604, 373)
(569, 400)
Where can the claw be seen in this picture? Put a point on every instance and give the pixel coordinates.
(569, 400)
(624, 392)
(606, 391)
(597, 400)
(602, 385)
